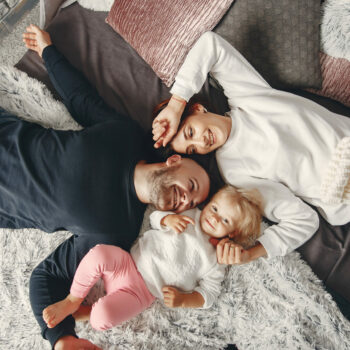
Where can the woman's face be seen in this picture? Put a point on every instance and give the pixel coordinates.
(201, 132)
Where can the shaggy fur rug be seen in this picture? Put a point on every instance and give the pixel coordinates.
(277, 304)
(335, 28)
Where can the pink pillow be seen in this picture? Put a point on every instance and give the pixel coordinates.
(336, 78)
(162, 32)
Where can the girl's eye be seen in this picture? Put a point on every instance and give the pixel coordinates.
(190, 132)
(225, 221)
(214, 208)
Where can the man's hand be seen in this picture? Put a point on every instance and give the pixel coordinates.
(166, 123)
(172, 297)
(229, 253)
(177, 222)
(36, 39)
(69, 342)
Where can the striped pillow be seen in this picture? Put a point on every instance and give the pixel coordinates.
(162, 32)
(336, 79)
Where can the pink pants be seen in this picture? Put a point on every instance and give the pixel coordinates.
(127, 293)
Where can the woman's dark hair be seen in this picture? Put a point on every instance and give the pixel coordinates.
(167, 151)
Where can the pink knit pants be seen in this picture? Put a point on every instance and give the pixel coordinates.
(127, 293)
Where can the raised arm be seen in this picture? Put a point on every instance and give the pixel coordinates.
(213, 54)
(295, 220)
(80, 98)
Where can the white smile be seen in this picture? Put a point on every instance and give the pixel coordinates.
(211, 138)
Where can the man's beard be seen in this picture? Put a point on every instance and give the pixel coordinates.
(161, 182)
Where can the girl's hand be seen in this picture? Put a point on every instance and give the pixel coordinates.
(177, 222)
(165, 125)
(36, 39)
(229, 253)
(172, 297)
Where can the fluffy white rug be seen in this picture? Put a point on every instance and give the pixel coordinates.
(335, 28)
(100, 5)
(277, 304)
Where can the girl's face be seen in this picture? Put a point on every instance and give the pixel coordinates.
(218, 216)
(201, 132)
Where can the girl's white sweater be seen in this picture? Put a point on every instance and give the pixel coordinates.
(186, 261)
(280, 143)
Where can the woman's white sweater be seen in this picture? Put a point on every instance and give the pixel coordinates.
(184, 260)
(286, 146)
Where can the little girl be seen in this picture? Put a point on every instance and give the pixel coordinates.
(166, 262)
(286, 146)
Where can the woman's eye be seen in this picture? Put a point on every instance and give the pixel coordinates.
(214, 208)
(225, 221)
(190, 132)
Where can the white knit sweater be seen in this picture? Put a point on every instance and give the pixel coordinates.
(284, 145)
(186, 261)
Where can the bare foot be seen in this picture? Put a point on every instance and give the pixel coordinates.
(57, 312)
(69, 342)
(83, 313)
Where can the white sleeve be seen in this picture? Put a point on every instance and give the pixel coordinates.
(213, 54)
(156, 217)
(296, 220)
(210, 285)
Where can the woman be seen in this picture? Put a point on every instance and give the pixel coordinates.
(288, 147)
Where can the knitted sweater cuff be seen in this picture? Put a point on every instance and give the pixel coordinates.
(335, 187)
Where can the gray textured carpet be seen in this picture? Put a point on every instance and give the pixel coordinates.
(12, 47)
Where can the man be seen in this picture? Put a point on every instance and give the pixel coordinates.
(94, 183)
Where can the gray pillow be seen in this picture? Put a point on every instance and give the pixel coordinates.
(280, 38)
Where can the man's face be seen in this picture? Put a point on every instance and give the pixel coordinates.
(179, 186)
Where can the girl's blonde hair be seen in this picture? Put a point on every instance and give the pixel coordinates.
(248, 207)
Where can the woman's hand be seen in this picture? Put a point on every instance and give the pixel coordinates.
(36, 39)
(229, 253)
(166, 123)
(177, 222)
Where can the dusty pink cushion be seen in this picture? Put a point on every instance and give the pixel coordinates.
(162, 32)
(336, 79)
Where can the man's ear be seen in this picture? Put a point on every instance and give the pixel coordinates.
(199, 108)
(174, 159)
